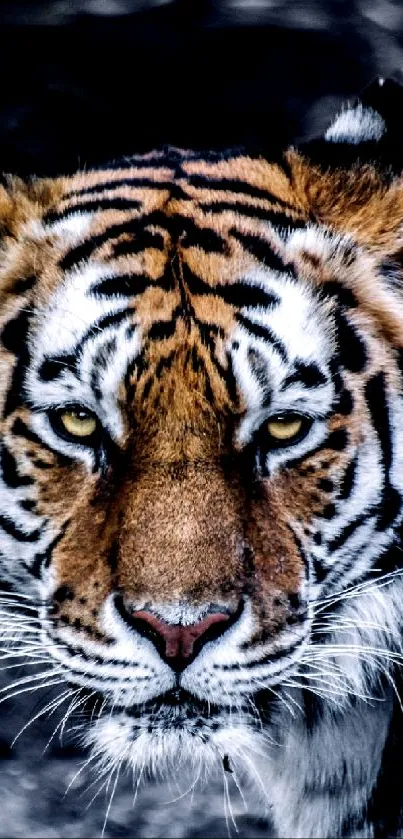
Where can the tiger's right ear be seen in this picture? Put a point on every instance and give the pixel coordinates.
(370, 130)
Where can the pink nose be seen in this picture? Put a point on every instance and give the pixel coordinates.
(176, 642)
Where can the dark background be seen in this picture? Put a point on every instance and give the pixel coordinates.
(83, 82)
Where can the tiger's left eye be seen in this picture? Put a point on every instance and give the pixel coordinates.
(75, 423)
(285, 429)
(78, 423)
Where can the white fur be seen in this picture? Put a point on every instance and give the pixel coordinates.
(365, 630)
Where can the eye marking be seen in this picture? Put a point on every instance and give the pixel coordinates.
(74, 423)
(287, 428)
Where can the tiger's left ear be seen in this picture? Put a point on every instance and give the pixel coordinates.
(369, 130)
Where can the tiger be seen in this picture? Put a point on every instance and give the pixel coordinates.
(202, 468)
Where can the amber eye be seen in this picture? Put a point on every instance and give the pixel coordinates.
(75, 423)
(287, 428)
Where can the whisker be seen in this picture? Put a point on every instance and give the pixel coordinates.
(49, 707)
(119, 766)
(31, 678)
(32, 688)
(368, 586)
(61, 724)
(24, 664)
(17, 595)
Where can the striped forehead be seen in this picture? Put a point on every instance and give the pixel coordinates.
(136, 259)
(83, 342)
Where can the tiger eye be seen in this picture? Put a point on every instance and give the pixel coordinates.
(284, 428)
(78, 423)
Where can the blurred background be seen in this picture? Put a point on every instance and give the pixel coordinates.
(83, 81)
(87, 80)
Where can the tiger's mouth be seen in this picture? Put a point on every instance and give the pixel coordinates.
(175, 706)
(178, 709)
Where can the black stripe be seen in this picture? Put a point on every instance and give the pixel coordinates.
(239, 294)
(375, 393)
(21, 429)
(272, 656)
(319, 568)
(133, 226)
(276, 219)
(125, 285)
(43, 560)
(260, 331)
(147, 388)
(351, 347)
(164, 364)
(344, 403)
(15, 332)
(337, 440)
(94, 206)
(201, 237)
(350, 528)
(261, 250)
(226, 374)
(376, 396)
(131, 285)
(146, 239)
(27, 504)
(42, 464)
(231, 381)
(344, 295)
(14, 337)
(86, 249)
(389, 509)
(24, 284)
(307, 374)
(136, 369)
(236, 185)
(260, 370)
(163, 329)
(9, 526)
(105, 322)
(325, 484)
(103, 186)
(347, 482)
(9, 469)
(51, 368)
(112, 557)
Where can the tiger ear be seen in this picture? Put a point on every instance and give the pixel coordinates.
(369, 130)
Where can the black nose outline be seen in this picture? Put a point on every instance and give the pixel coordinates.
(178, 663)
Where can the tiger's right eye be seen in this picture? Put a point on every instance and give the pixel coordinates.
(75, 423)
(78, 423)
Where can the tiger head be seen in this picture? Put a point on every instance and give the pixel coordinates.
(201, 409)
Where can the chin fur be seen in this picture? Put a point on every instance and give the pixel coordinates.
(175, 749)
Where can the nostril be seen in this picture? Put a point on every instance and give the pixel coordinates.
(179, 640)
(178, 644)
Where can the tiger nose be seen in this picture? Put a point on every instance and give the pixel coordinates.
(179, 644)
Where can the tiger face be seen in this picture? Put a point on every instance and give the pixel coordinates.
(201, 400)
